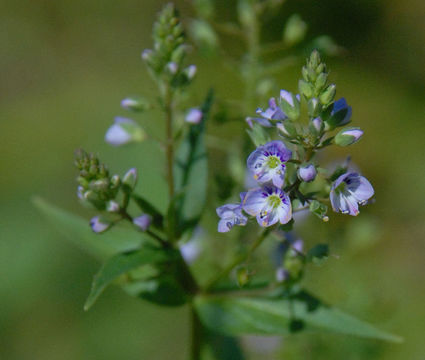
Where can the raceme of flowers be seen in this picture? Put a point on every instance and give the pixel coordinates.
(271, 202)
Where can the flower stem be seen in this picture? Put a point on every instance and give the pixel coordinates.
(238, 260)
(196, 335)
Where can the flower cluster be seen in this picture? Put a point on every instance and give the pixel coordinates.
(271, 202)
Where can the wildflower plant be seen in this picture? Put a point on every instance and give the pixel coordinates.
(152, 258)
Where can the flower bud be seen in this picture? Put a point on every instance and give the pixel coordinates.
(147, 54)
(348, 136)
(314, 107)
(281, 274)
(190, 72)
(321, 81)
(135, 104)
(290, 104)
(99, 224)
(172, 68)
(112, 206)
(295, 30)
(287, 129)
(306, 89)
(124, 131)
(327, 96)
(340, 114)
(316, 125)
(194, 116)
(307, 173)
(130, 178)
(142, 222)
(115, 181)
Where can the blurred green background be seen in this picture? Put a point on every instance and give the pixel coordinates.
(65, 66)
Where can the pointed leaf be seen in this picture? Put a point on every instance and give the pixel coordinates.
(78, 231)
(191, 171)
(123, 263)
(263, 316)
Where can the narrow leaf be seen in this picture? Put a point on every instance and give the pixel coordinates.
(147, 207)
(77, 230)
(121, 264)
(262, 316)
(191, 171)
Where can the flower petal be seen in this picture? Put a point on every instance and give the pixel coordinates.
(254, 202)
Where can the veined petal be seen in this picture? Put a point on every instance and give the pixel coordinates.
(254, 202)
(227, 211)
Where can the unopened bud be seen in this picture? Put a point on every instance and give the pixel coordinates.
(194, 116)
(135, 104)
(124, 131)
(130, 178)
(142, 222)
(306, 89)
(99, 224)
(314, 107)
(307, 173)
(348, 136)
(112, 206)
(290, 104)
(287, 129)
(327, 96)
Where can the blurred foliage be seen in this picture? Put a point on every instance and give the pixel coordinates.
(64, 68)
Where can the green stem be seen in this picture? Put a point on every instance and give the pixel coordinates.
(238, 260)
(196, 335)
(169, 140)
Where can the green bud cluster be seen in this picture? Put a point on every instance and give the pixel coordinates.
(96, 186)
(165, 60)
(314, 85)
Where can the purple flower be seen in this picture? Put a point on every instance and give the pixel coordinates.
(348, 136)
(290, 104)
(341, 113)
(273, 112)
(349, 190)
(269, 204)
(307, 173)
(99, 224)
(143, 222)
(194, 116)
(124, 131)
(267, 162)
(230, 215)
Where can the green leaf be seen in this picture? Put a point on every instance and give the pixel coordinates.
(222, 347)
(147, 207)
(318, 253)
(123, 263)
(264, 316)
(191, 171)
(78, 231)
(163, 290)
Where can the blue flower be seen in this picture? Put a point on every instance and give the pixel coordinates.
(269, 205)
(340, 114)
(230, 215)
(99, 224)
(267, 163)
(273, 112)
(124, 131)
(143, 221)
(348, 191)
(307, 173)
(194, 116)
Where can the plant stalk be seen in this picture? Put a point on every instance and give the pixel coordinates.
(238, 260)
